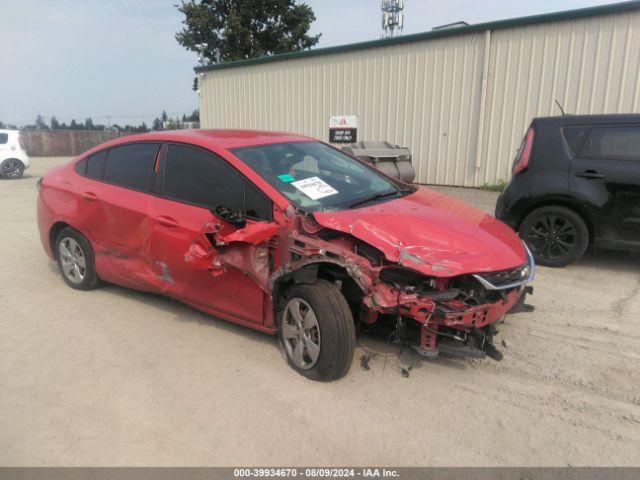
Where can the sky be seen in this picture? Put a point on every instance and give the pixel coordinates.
(118, 60)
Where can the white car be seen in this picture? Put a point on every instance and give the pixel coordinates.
(13, 159)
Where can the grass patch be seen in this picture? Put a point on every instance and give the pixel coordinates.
(495, 187)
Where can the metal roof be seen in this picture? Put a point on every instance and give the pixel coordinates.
(605, 118)
(478, 27)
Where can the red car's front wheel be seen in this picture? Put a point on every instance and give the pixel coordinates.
(316, 331)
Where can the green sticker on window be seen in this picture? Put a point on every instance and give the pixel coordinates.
(286, 178)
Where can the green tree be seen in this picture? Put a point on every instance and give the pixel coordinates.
(194, 117)
(40, 123)
(55, 124)
(227, 30)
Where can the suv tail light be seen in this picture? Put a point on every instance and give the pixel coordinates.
(524, 154)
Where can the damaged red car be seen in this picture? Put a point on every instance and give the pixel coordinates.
(287, 235)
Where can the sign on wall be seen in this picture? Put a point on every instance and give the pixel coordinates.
(343, 129)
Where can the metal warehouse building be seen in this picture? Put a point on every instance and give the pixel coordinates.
(460, 99)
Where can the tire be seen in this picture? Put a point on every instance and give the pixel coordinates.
(11, 168)
(76, 260)
(333, 333)
(556, 236)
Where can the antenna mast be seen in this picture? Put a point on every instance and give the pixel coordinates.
(392, 17)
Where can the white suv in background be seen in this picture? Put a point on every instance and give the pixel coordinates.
(13, 158)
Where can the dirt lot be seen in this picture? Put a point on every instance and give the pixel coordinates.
(116, 377)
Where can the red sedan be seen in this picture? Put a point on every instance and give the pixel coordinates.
(287, 235)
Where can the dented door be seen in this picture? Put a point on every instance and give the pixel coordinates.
(200, 258)
(116, 212)
(190, 267)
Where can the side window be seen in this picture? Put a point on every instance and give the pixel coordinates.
(81, 167)
(196, 176)
(95, 165)
(614, 142)
(575, 136)
(4, 138)
(131, 165)
(255, 204)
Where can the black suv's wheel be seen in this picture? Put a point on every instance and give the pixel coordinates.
(76, 260)
(11, 167)
(557, 236)
(316, 331)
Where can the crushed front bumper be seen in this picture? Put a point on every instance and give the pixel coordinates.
(456, 326)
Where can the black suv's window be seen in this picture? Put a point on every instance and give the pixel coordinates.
(575, 136)
(130, 165)
(4, 137)
(614, 142)
(202, 178)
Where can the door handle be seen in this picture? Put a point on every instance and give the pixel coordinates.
(89, 196)
(167, 221)
(589, 174)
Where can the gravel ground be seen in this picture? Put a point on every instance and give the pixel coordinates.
(117, 377)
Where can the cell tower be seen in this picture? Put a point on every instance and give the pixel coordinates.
(392, 17)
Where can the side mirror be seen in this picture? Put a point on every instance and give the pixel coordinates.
(225, 213)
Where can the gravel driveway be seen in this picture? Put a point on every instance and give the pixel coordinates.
(117, 377)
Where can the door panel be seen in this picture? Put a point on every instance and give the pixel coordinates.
(218, 266)
(183, 248)
(116, 217)
(605, 176)
(118, 220)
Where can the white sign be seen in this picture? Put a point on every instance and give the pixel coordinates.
(343, 121)
(314, 188)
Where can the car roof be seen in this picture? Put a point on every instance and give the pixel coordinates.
(216, 138)
(589, 119)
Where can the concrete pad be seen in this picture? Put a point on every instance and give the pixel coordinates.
(117, 377)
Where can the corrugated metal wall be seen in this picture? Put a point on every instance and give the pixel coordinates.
(462, 112)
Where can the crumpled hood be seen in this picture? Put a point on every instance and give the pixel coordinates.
(432, 233)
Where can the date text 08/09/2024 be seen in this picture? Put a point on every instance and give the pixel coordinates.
(316, 472)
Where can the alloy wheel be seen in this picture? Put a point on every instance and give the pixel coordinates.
(552, 237)
(12, 168)
(73, 261)
(301, 333)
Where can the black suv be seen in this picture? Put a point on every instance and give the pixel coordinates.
(576, 181)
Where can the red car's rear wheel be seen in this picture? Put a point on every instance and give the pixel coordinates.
(76, 259)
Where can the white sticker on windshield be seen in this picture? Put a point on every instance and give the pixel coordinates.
(314, 188)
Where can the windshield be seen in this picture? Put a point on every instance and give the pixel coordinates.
(316, 177)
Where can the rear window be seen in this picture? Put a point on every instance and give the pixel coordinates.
(614, 142)
(4, 138)
(575, 136)
(131, 166)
